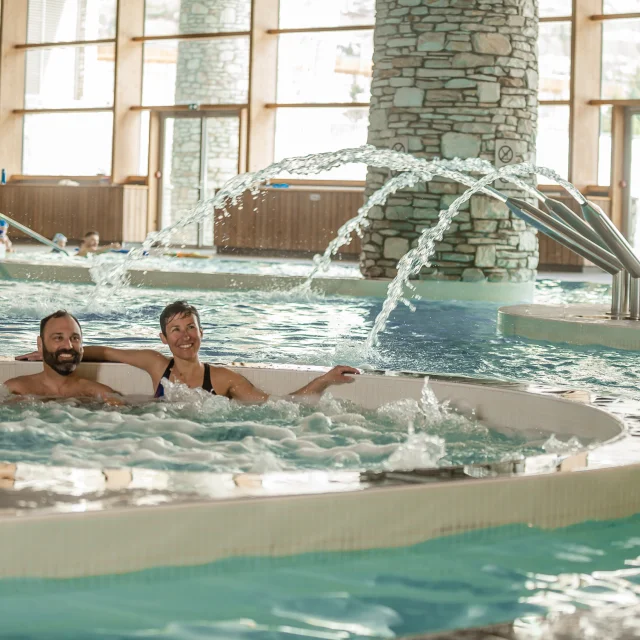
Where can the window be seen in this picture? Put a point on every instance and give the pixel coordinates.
(325, 67)
(555, 8)
(621, 6)
(74, 144)
(68, 77)
(70, 20)
(196, 71)
(552, 145)
(554, 47)
(174, 17)
(63, 76)
(621, 59)
(301, 14)
(301, 131)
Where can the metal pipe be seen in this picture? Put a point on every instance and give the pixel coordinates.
(616, 242)
(563, 213)
(565, 235)
(33, 234)
(634, 299)
(619, 297)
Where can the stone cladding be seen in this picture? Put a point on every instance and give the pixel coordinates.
(454, 78)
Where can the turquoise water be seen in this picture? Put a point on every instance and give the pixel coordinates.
(443, 337)
(474, 579)
(198, 432)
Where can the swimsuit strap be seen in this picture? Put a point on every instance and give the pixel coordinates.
(206, 383)
(167, 375)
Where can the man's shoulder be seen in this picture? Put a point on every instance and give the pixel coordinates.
(22, 384)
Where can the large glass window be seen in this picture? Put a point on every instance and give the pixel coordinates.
(173, 17)
(301, 131)
(70, 20)
(555, 8)
(300, 14)
(554, 46)
(196, 71)
(622, 6)
(621, 59)
(75, 144)
(552, 145)
(325, 67)
(68, 77)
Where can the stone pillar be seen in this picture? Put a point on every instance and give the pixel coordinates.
(208, 72)
(454, 78)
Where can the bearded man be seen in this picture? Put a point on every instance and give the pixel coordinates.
(60, 348)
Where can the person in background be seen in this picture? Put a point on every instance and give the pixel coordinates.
(4, 236)
(59, 240)
(91, 244)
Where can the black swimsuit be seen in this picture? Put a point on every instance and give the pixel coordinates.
(206, 383)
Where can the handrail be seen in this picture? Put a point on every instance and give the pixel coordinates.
(35, 235)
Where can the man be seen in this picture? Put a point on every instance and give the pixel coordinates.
(91, 244)
(60, 349)
(182, 333)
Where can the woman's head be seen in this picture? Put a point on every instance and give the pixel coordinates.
(181, 330)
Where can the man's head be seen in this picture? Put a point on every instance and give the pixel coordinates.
(180, 325)
(60, 342)
(91, 240)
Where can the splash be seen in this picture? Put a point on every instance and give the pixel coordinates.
(411, 171)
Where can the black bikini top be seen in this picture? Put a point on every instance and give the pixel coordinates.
(206, 382)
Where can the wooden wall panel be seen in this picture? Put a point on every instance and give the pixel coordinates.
(554, 255)
(118, 213)
(300, 220)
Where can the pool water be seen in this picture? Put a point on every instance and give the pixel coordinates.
(474, 579)
(205, 264)
(198, 432)
(445, 337)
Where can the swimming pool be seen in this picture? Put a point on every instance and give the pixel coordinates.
(473, 579)
(483, 577)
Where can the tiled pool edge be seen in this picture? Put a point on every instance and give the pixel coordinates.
(572, 324)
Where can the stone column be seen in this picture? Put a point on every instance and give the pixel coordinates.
(454, 78)
(208, 72)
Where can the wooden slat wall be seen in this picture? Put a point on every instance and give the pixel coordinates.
(297, 219)
(554, 255)
(118, 213)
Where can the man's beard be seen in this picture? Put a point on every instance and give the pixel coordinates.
(61, 367)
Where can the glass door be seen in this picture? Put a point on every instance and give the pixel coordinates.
(199, 153)
(632, 175)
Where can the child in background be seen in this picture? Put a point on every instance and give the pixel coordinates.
(91, 244)
(60, 240)
(5, 244)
